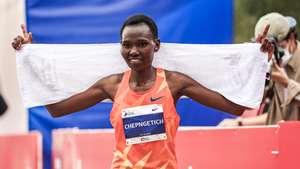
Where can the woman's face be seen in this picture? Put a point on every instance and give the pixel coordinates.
(284, 44)
(138, 46)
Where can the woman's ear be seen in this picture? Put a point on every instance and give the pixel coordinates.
(157, 45)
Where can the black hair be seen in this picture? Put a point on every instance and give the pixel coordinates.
(295, 33)
(291, 31)
(138, 19)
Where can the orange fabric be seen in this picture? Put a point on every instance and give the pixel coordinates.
(151, 155)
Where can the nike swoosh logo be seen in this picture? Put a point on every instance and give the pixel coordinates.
(153, 99)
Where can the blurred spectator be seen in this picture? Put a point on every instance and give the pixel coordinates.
(3, 105)
(283, 96)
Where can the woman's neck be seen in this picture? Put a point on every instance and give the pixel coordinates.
(143, 77)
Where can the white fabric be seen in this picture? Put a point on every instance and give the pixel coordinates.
(50, 73)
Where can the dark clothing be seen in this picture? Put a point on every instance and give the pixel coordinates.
(3, 105)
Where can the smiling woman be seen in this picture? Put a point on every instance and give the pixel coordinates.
(138, 46)
(143, 114)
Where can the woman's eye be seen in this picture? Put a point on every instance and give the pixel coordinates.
(143, 44)
(126, 45)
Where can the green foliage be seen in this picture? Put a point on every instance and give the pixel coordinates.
(247, 13)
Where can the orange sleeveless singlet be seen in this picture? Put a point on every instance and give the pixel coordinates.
(147, 155)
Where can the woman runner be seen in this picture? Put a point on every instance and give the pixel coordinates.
(144, 98)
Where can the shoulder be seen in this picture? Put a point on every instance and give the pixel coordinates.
(178, 81)
(173, 76)
(110, 81)
(109, 84)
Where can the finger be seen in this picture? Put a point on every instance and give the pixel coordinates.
(20, 46)
(17, 40)
(30, 37)
(270, 52)
(268, 47)
(270, 56)
(266, 30)
(272, 48)
(16, 46)
(13, 44)
(259, 38)
(24, 31)
(263, 46)
(20, 39)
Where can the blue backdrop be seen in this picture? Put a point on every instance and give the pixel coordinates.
(99, 21)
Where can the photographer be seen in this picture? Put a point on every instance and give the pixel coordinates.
(284, 87)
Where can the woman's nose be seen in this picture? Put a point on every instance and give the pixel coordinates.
(134, 50)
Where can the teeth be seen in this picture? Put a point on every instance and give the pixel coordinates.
(134, 59)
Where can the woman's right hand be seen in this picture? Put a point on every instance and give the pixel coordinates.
(20, 40)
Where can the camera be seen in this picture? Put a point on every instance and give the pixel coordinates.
(278, 51)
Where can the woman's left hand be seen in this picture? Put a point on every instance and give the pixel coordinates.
(266, 44)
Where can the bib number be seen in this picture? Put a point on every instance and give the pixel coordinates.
(144, 124)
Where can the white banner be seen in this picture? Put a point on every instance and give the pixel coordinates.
(50, 73)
